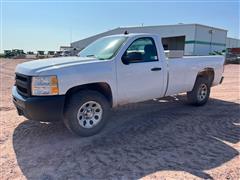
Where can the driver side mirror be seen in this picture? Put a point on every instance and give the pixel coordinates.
(132, 57)
(125, 60)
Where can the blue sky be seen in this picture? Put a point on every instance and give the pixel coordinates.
(45, 25)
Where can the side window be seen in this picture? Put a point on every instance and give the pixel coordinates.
(141, 50)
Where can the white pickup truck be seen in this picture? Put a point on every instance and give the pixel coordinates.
(110, 72)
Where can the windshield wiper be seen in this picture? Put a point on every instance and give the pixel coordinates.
(90, 55)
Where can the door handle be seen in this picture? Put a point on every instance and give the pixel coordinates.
(156, 69)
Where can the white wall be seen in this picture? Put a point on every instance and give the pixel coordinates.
(232, 43)
(209, 39)
(189, 49)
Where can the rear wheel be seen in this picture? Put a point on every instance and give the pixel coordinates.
(86, 113)
(200, 93)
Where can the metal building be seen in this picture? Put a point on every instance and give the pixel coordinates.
(232, 43)
(193, 39)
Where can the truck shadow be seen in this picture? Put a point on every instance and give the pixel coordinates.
(139, 139)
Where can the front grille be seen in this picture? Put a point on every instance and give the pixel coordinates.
(23, 84)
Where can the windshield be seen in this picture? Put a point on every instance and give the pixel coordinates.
(104, 48)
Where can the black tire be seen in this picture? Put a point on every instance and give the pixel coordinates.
(194, 97)
(74, 106)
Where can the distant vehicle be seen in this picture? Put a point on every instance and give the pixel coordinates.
(66, 53)
(57, 53)
(233, 55)
(15, 53)
(40, 54)
(110, 72)
(50, 54)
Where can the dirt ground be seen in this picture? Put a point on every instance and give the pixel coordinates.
(161, 139)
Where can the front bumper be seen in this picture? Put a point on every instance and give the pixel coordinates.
(45, 109)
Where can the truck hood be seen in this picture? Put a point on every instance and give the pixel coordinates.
(37, 66)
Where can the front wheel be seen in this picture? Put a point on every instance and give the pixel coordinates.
(200, 93)
(86, 113)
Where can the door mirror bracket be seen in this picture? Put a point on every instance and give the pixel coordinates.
(125, 60)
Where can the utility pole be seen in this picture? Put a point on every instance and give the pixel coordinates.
(70, 35)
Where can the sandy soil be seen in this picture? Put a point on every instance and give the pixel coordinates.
(162, 139)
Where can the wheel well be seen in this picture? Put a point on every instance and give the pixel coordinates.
(207, 73)
(101, 87)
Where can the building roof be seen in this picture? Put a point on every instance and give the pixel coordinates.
(154, 26)
(171, 25)
(233, 38)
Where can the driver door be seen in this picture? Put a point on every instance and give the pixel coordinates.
(139, 73)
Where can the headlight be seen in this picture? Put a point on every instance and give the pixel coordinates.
(45, 86)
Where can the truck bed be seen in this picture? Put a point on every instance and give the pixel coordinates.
(183, 71)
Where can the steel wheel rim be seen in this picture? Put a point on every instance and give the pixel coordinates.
(202, 92)
(89, 114)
